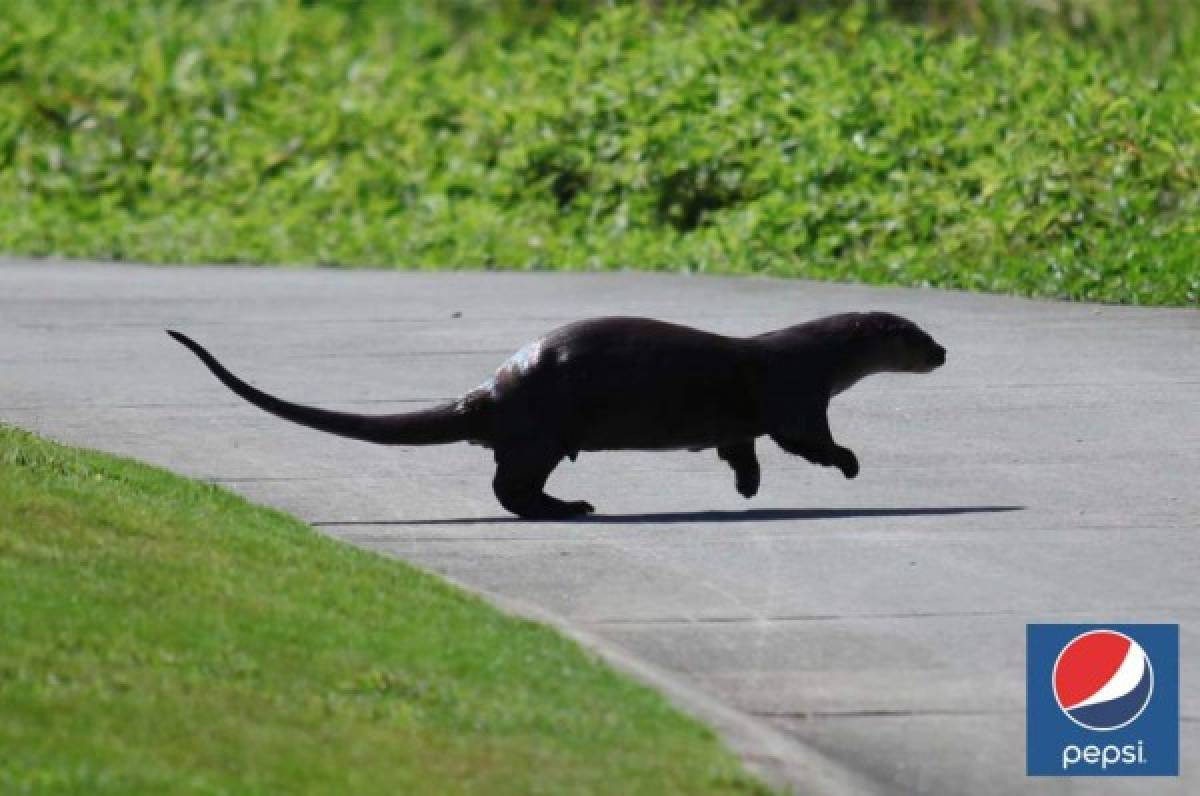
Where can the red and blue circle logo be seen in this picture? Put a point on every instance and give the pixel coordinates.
(1102, 700)
(1103, 680)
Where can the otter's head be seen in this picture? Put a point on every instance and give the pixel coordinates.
(899, 345)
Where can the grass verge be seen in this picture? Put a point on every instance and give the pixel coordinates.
(160, 635)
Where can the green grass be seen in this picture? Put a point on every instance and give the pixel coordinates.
(1039, 159)
(163, 636)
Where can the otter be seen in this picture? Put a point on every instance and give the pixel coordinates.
(642, 384)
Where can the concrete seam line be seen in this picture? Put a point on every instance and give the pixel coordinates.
(781, 760)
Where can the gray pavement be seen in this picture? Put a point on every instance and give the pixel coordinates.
(844, 635)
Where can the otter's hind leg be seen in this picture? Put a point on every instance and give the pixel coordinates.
(741, 457)
(521, 473)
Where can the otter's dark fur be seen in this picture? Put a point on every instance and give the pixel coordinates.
(636, 383)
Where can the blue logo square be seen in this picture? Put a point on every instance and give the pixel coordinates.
(1102, 700)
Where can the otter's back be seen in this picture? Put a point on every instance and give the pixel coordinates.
(642, 384)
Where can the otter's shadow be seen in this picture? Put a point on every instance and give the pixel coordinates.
(749, 515)
(768, 515)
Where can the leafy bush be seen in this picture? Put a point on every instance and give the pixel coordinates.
(840, 146)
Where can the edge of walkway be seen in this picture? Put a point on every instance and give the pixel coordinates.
(782, 761)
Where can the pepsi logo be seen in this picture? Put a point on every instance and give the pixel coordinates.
(1103, 680)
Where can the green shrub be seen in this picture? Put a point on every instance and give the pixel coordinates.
(835, 146)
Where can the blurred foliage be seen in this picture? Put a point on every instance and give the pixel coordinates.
(1141, 32)
(1056, 155)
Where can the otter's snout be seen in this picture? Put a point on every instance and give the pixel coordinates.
(929, 357)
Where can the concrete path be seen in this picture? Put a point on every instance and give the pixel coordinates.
(847, 635)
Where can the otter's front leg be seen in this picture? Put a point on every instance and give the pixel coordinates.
(740, 456)
(815, 443)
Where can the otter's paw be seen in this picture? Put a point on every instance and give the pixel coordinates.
(578, 508)
(747, 485)
(847, 462)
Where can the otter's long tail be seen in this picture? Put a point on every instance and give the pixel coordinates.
(434, 426)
